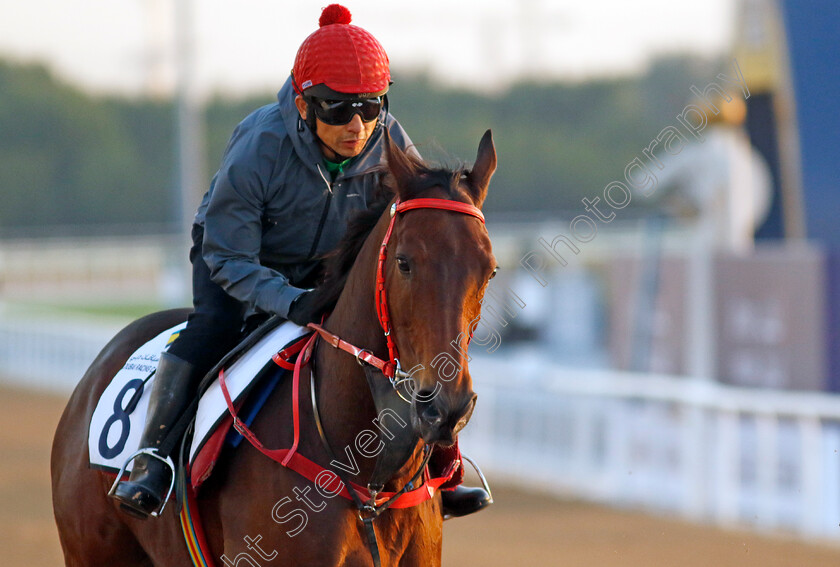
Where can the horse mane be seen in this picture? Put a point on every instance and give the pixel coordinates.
(337, 263)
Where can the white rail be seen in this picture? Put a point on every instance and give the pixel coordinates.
(50, 354)
(730, 456)
(768, 459)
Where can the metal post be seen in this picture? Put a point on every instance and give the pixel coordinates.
(189, 186)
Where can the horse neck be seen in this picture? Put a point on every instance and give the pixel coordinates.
(347, 407)
(354, 317)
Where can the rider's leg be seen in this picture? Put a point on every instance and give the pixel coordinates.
(212, 329)
(457, 500)
(149, 481)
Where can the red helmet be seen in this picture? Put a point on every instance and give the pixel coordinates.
(344, 58)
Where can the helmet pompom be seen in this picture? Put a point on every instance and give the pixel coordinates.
(344, 58)
(334, 14)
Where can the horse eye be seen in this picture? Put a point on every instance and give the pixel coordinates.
(493, 273)
(402, 264)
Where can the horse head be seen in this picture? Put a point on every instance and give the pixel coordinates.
(437, 264)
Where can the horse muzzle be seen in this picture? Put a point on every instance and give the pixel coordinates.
(436, 420)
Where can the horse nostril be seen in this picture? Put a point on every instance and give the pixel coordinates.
(431, 413)
(426, 396)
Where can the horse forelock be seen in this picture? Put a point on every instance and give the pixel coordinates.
(447, 180)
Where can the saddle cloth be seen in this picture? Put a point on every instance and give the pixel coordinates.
(118, 420)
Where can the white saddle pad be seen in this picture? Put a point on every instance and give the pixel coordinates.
(114, 434)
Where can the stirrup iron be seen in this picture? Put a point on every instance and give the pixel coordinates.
(484, 484)
(149, 452)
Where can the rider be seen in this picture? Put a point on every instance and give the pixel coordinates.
(292, 174)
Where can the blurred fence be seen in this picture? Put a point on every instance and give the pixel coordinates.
(702, 450)
(50, 354)
(106, 268)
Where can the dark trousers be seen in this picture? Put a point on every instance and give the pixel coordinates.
(214, 327)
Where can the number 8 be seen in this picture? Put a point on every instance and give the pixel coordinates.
(118, 415)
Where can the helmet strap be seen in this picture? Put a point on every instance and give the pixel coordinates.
(311, 123)
(385, 105)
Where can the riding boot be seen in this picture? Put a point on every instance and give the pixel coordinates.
(150, 478)
(463, 500)
(457, 500)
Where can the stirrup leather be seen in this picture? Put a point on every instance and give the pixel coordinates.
(149, 452)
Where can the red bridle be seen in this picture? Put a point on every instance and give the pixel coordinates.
(381, 297)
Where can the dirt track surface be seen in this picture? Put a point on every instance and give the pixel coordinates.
(521, 529)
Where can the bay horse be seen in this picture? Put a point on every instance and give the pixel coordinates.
(432, 271)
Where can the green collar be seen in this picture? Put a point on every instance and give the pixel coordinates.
(336, 168)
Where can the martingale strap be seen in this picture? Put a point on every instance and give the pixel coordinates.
(310, 470)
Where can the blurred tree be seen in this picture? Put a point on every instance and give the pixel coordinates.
(68, 158)
(71, 158)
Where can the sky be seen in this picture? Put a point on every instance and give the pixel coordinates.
(243, 46)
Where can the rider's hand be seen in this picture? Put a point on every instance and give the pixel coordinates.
(304, 309)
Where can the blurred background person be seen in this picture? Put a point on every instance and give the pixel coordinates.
(720, 185)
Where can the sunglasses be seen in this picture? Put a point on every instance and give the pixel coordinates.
(340, 112)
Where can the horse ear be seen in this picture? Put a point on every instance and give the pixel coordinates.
(399, 163)
(485, 166)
